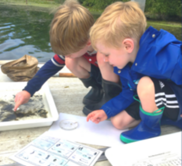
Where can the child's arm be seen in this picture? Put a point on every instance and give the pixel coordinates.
(97, 116)
(113, 106)
(21, 98)
(49, 69)
(120, 102)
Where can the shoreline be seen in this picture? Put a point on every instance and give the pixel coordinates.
(51, 6)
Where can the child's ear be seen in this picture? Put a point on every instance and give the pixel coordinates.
(88, 42)
(128, 44)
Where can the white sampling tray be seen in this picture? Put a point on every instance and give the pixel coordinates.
(8, 88)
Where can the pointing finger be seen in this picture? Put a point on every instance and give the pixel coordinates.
(89, 117)
(17, 104)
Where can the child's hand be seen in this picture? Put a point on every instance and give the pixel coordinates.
(97, 116)
(21, 98)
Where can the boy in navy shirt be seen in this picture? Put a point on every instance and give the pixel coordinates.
(70, 40)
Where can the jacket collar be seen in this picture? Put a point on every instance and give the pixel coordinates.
(151, 42)
(123, 72)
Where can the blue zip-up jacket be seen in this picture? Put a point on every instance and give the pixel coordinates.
(159, 56)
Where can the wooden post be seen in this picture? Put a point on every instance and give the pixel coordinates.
(141, 3)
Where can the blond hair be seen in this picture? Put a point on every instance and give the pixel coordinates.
(70, 27)
(118, 21)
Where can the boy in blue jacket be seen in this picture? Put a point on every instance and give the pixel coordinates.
(70, 40)
(149, 64)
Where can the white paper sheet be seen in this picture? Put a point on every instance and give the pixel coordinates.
(103, 134)
(159, 151)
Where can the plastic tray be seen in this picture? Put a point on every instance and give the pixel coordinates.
(30, 123)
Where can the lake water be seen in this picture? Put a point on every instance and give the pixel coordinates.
(25, 30)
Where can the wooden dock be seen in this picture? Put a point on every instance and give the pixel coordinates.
(67, 94)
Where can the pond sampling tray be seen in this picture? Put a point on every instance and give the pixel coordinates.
(39, 111)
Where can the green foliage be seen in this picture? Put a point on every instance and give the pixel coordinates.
(102, 4)
(161, 8)
(98, 4)
(88, 3)
(164, 7)
(81, 1)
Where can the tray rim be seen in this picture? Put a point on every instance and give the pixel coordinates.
(40, 122)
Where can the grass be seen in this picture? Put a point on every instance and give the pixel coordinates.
(164, 23)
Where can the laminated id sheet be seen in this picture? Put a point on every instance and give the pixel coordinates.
(53, 151)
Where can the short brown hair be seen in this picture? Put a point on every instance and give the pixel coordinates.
(118, 21)
(70, 27)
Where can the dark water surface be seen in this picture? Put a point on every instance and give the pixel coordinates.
(25, 30)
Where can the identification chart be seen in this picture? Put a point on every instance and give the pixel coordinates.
(51, 151)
